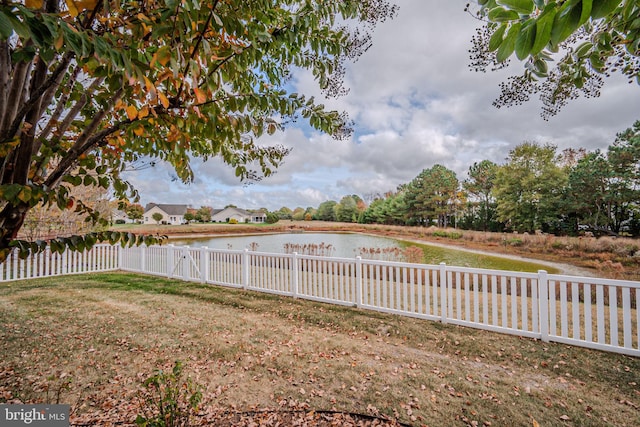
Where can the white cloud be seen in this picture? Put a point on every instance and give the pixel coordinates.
(415, 103)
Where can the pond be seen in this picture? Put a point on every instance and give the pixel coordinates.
(350, 245)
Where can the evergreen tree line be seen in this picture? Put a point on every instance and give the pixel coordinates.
(537, 189)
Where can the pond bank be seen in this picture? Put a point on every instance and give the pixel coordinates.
(563, 268)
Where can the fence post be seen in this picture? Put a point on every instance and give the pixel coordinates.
(143, 258)
(358, 281)
(120, 256)
(245, 268)
(294, 272)
(170, 267)
(543, 305)
(186, 263)
(204, 264)
(444, 291)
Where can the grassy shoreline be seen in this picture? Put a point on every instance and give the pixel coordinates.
(91, 340)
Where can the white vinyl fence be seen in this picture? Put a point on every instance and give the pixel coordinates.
(595, 313)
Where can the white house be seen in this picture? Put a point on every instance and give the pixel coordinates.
(171, 214)
(240, 215)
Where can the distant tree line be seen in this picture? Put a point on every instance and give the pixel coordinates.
(537, 189)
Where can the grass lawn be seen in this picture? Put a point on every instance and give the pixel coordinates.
(91, 340)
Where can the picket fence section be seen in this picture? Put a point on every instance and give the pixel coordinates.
(595, 313)
(51, 264)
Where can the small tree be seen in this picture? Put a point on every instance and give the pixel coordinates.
(272, 218)
(134, 211)
(157, 217)
(204, 214)
(189, 216)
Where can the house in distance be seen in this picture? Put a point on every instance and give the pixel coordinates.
(174, 214)
(240, 215)
(171, 214)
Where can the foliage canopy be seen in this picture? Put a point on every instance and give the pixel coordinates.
(587, 40)
(90, 86)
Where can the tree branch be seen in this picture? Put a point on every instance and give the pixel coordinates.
(196, 46)
(75, 110)
(85, 142)
(5, 72)
(61, 103)
(36, 95)
(14, 97)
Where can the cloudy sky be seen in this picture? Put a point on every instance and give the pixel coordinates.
(415, 103)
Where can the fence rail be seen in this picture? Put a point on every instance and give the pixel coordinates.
(595, 313)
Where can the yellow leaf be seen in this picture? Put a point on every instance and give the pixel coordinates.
(163, 55)
(151, 89)
(163, 100)
(59, 43)
(139, 131)
(73, 10)
(147, 84)
(87, 4)
(200, 95)
(144, 112)
(77, 6)
(25, 194)
(33, 4)
(132, 112)
(7, 147)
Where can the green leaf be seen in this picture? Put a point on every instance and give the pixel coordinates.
(596, 62)
(39, 32)
(583, 50)
(496, 38)
(525, 40)
(524, 7)
(10, 192)
(566, 21)
(509, 43)
(544, 25)
(499, 14)
(57, 246)
(25, 194)
(602, 8)
(6, 29)
(585, 11)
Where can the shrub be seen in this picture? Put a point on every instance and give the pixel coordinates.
(514, 242)
(233, 221)
(559, 245)
(170, 400)
(272, 218)
(448, 234)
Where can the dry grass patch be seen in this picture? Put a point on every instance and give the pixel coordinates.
(91, 340)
